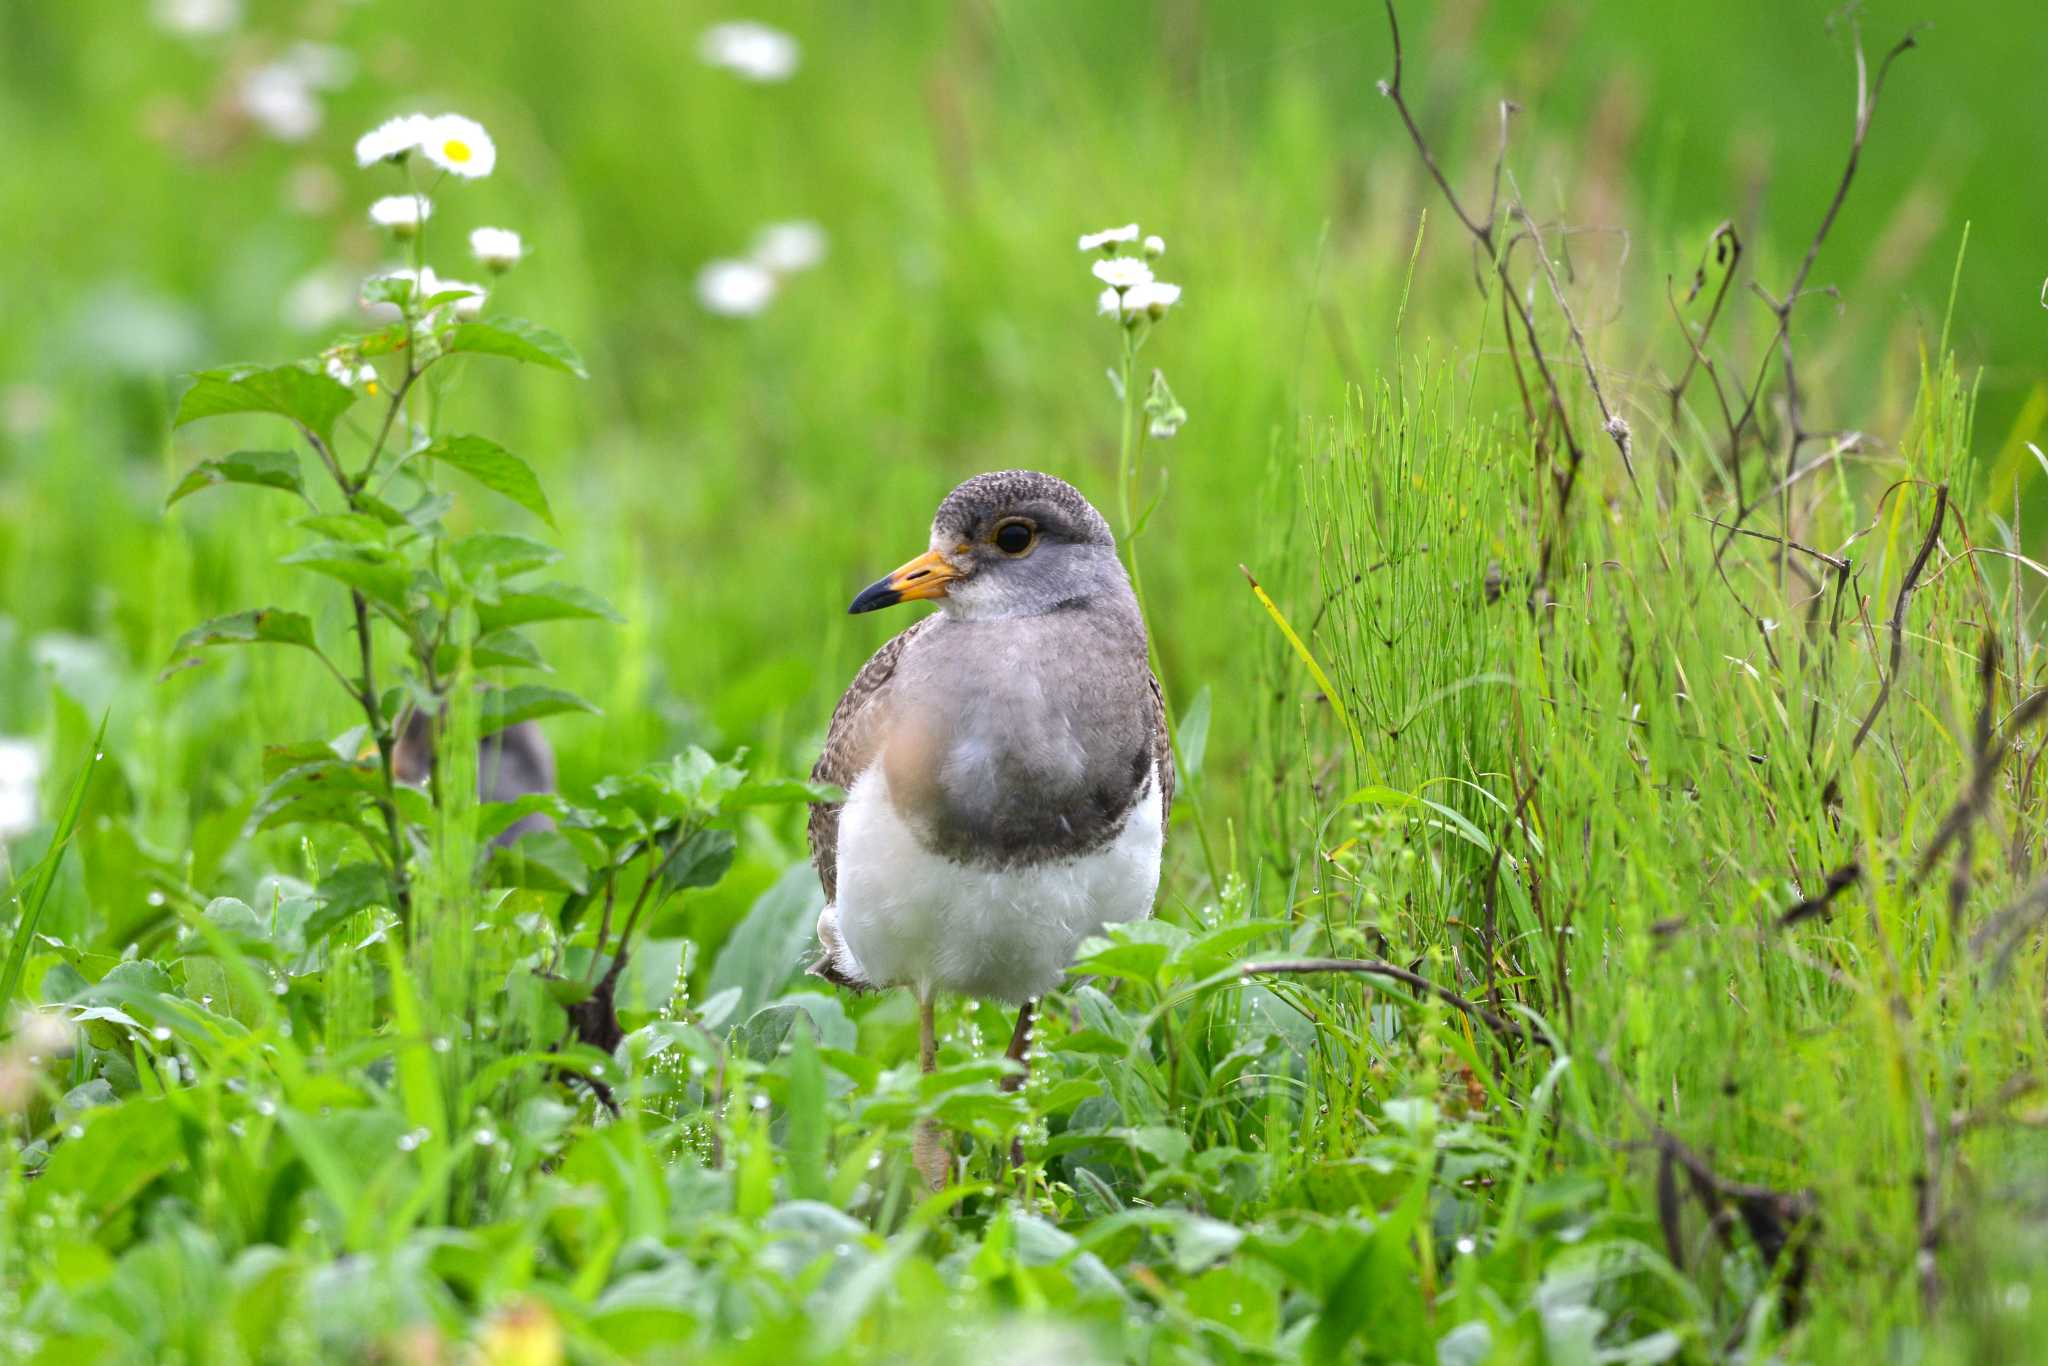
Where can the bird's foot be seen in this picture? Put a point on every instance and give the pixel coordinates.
(932, 1153)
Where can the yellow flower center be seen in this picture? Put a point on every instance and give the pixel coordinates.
(455, 149)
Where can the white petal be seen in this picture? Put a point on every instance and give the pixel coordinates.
(735, 289)
(460, 145)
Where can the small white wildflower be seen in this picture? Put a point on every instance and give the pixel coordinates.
(735, 289)
(337, 370)
(21, 776)
(278, 99)
(496, 249)
(470, 305)
(1122, 272)
(1110, 304)
(457, 144)
(1109, 238)
(401, 214)
(391, 140)
(1152, 298)
(1155, 247)
(749, 49)
(786, 248)
(196, 18)
(366, 375)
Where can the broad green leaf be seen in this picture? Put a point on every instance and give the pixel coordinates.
(498, 650)
(545, 602)
(496, 468)
(516, 339)
(702, 860)
(345, 891)
(259, 469)
(308, 397)
(770, 945)
(263, 626)
(356, 527)
(504, 707)
(782, 792)
(369, 569)
(508, 555)
(541, 861)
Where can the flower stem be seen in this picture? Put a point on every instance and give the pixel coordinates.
(1129, 454)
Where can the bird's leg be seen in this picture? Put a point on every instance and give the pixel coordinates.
(928, 1149)
(1020, 1044)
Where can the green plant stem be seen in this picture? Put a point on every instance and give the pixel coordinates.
(373, 712)
(1130, 449)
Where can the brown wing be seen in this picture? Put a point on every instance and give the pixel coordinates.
(849, 749)
(1162, 750)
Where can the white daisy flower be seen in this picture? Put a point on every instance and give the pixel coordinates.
(401, 214)
(1110, 304)
(366, 375)
(277, 99)
(1155, 247)
(786, 248)
(735, 289)
(457, 144)
(1122, 272)
(1152, 298)
(745, 48)
(497, 249)
(391, 140)
(1109, 238)
(21, 776)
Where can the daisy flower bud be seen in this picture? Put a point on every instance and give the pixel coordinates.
(497, 249)
(1152, 298)
(391, 140)
(1122, 272)
(457, 144)
(1155, 247)
(1108, 239)
(401, 214)
(735, 289)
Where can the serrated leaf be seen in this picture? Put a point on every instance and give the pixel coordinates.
(702, 860)
(263, 626)
(308, 397)
(544, 602)
(508, 555)
(370, 569)
(356, 527)
(504, 707)
(258, 469)
(516, 339)
(496, 468)
(782, 792)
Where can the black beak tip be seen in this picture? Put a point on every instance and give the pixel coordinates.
(875, 596)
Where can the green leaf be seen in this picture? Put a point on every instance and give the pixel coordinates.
(498, 650)
(263, 626)
(516, 339)
(369, 569)
(782, 792)
(496, 468)
(260, 469)
(345, 891)
(355, 527)
(508, 555)
(545, 602)
(504, 707)
(770, 945)
(702, 860)
(541, 861)
(308, 397)
(32, 888)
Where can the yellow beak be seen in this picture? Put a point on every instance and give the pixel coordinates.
(924, 577)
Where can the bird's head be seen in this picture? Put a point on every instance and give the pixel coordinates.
(1014, 543)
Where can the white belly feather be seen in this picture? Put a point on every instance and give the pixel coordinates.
(913, 918)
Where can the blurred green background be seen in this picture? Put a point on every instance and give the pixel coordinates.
(730, 482)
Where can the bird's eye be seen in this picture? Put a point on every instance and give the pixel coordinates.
(1015, 537)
